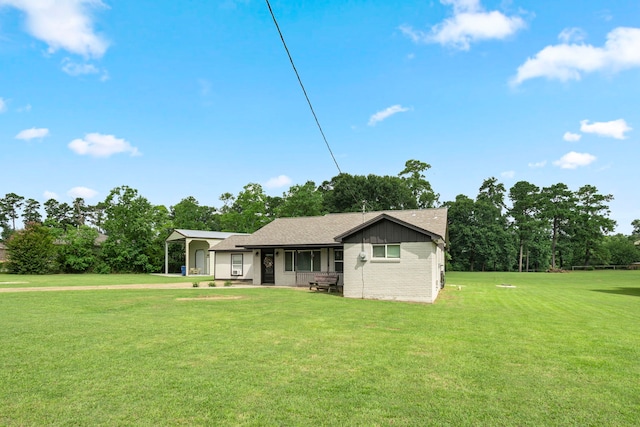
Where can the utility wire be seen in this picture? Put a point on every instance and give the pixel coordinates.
(302, 86)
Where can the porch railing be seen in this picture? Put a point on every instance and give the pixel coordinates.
(304, 277)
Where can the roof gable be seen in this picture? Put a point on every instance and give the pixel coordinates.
(387, 217)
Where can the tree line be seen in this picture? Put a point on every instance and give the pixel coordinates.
(521, 229)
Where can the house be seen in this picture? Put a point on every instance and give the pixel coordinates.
(196, 249)
(3, 252)
(388, 255)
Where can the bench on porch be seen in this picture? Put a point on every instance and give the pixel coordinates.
(325, 282)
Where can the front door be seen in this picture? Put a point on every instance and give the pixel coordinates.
(268, 268)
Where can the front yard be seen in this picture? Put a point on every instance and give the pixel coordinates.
(550, 349)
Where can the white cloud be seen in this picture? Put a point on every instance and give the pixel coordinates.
(537, 165)
(63, 24)
(83, 192)
(3, 105)
(574, 35)
(50, 195)
(569, 61)
(79, 69)
(508, 174)
(29, 134)
(613, 129)
(571, 137)
(278, 182)
(99, 145)
(25, 109)
(470, 23)
(573, 160)
(386, 113)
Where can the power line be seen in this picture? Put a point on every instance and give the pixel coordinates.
(302, 86)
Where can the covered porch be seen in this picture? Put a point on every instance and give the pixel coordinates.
(196, 244)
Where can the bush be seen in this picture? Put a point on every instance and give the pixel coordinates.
(212, 284)
(227, 283)
(78, 252)
(31, 251)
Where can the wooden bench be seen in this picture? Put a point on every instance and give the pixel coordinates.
(325, 282)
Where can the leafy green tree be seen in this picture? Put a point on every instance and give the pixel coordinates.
(558, 208)
(77, 250)
(636, 228)
(80, 209)
(95, 215)
(59, 215)
(413, 173)
(621, 249)
(31, 211)
(350, 193)
(248, 211)
(31, 251)
(301, 200)
(495, 246)
(135, 230)
(592, 222)
(493, 192)
(463, 233)
(524, 211)
(188, 214)
(10, 205)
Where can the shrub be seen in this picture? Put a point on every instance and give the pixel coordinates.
(31, 251)
(196, 284)
(212, 284)
(78, 252)
(227, 283)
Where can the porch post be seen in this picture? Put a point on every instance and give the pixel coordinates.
(186, 258)
(166, 257)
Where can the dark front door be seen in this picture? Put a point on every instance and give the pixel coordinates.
(268, 268)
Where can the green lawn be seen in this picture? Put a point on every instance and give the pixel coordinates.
(556, 349)
(16, 281)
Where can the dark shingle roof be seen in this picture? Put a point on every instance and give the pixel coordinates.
(323, 230)
(233, 243)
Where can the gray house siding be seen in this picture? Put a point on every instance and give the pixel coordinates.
(386, 231)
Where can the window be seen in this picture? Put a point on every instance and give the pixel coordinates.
(308, 261)
(302, 261)
(386, 251)
(236, 264)
(338, 260)
(289, 260)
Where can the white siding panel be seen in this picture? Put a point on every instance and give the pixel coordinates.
(411, 278)
(222, 262)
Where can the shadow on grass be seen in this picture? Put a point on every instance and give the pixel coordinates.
(634, 292)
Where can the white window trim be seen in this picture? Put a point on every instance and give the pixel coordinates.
(386, 258)
(241, 265)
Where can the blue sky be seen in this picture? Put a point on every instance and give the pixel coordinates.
(197, 98)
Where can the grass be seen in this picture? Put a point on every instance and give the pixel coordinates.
(15, 281)
(556, 349)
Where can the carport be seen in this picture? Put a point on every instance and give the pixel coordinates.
(196, 248)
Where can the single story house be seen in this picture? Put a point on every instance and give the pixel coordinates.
(196, 249)
(388, 255)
